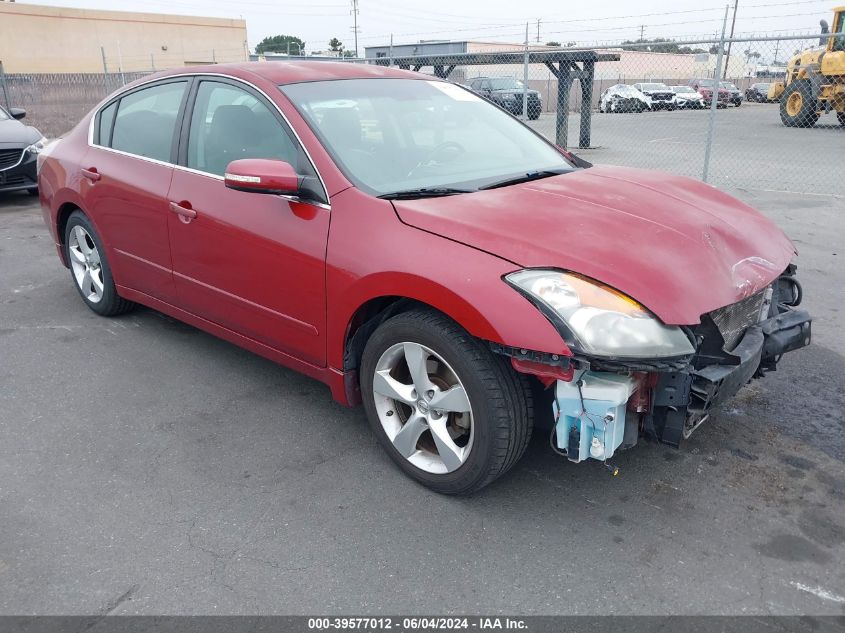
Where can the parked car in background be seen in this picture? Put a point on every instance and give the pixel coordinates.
(507, 93)
(623, 98)
(19, 148)
(705, 88)
(735, 95)
(423, 253)
(758, 93)
(686, 98)
(660, 96)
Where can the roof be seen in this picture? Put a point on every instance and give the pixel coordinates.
(288, 72)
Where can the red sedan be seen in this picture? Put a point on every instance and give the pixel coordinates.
(421, 251)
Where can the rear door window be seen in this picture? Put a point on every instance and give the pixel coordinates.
(146, 121)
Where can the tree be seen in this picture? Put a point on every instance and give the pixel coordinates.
(289, 44)
(749, 55)
(335, 45)
(348, 53)
(552, 43)
(659, 45)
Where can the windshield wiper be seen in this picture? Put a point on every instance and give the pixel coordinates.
(532, 175)
(423, 192)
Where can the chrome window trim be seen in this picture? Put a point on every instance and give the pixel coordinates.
(20, 160)
(189, 75)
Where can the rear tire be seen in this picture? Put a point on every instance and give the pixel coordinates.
(798, 108)
(841, 117)
(89, 268)
(488, 438)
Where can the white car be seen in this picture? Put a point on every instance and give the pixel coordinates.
(686, 97)
(623, 98)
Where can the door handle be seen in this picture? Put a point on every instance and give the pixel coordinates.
(91, 174)
(186, 214)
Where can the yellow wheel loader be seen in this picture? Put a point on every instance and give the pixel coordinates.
(815, 79)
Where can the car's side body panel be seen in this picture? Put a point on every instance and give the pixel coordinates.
(60, 178)
(372, 254)
(129, 206)
(254, 263)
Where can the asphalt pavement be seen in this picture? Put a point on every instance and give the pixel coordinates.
(148, 468)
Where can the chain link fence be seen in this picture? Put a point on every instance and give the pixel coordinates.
(712, 109)
(54, 102)
(653, 106)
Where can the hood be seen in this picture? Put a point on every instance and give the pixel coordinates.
(14, 134)
(678, 246)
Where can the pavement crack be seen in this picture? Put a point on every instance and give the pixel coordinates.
(114, 603)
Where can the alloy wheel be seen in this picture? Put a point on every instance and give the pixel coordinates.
(423, 407)
(86, 265)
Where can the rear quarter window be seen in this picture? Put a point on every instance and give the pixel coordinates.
(104, 124)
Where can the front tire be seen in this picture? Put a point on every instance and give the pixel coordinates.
(452, 415)
(89, 268)
(797, 106)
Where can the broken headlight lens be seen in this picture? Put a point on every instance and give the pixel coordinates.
(601, 321)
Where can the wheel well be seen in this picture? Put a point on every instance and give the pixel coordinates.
(376, 311)
(365, 321)
(62, 217)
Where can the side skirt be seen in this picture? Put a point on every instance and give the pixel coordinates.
(332, 377)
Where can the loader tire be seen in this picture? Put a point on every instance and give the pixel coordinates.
(798, 108)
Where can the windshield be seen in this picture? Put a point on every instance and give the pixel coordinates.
(391, 135)
(3, 115)
(625, 91)
(728, 85)
(654, 87)
(706, 82)
(682, 89)
(506, 84)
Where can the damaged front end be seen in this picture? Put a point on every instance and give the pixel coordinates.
(735, 344)
(602, 405)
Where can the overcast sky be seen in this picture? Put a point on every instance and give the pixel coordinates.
(316, 21)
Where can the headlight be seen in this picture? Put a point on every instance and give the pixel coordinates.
(599, 320)
(37, 146)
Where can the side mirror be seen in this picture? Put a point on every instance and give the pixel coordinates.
(262, 175)
(17, 113)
